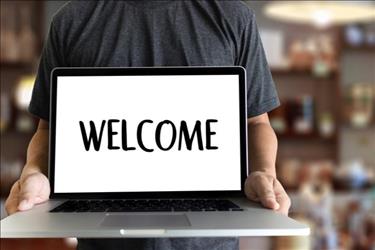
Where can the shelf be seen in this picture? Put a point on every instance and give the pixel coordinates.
(290, 71)
(299, 72)
(364, 129)
(16, 133)
(310, 137)
(15, 64)
(348, 125)
(359, 48)
(338, 194)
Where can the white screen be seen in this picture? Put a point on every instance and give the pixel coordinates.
(135, 98)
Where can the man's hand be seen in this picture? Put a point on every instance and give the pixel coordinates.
(27, 192)
(266, 189)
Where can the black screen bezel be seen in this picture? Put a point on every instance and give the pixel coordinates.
(79, 71)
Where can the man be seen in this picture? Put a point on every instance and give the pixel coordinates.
(157, 33)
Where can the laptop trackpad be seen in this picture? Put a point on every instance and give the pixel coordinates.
(145, 221)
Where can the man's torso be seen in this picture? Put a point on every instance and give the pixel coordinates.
(151, 33)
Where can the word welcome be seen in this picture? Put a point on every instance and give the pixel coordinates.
(185, 138)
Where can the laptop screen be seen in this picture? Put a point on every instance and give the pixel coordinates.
(147, 133)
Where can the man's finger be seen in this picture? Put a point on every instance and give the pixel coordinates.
(282, 198)
(27, 201)
(12, 202)
(11, 206)
(28, 195)
(249, 191)
(266, 194)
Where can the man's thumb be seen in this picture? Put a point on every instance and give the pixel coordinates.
(270, 202)
(27, 199)
(25, 204)
(267, 195)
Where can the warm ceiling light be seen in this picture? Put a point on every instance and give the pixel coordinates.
(322, 13)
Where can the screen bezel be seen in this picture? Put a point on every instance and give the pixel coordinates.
(147, 71)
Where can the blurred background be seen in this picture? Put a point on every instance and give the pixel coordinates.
(322, 57)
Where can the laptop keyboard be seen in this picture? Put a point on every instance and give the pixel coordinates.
(175, 205)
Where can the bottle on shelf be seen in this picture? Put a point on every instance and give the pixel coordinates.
(9, 43)
(26, 37)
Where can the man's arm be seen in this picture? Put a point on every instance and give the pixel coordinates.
(262, 184)
(37, 152)
(33, 185)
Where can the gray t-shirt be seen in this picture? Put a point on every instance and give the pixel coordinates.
(156, 33)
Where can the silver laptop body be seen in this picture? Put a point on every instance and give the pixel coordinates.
(137, 138)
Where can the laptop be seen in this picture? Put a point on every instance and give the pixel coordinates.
(148, 152)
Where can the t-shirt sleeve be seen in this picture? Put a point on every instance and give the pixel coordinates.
(261, 91)
(51, 57)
